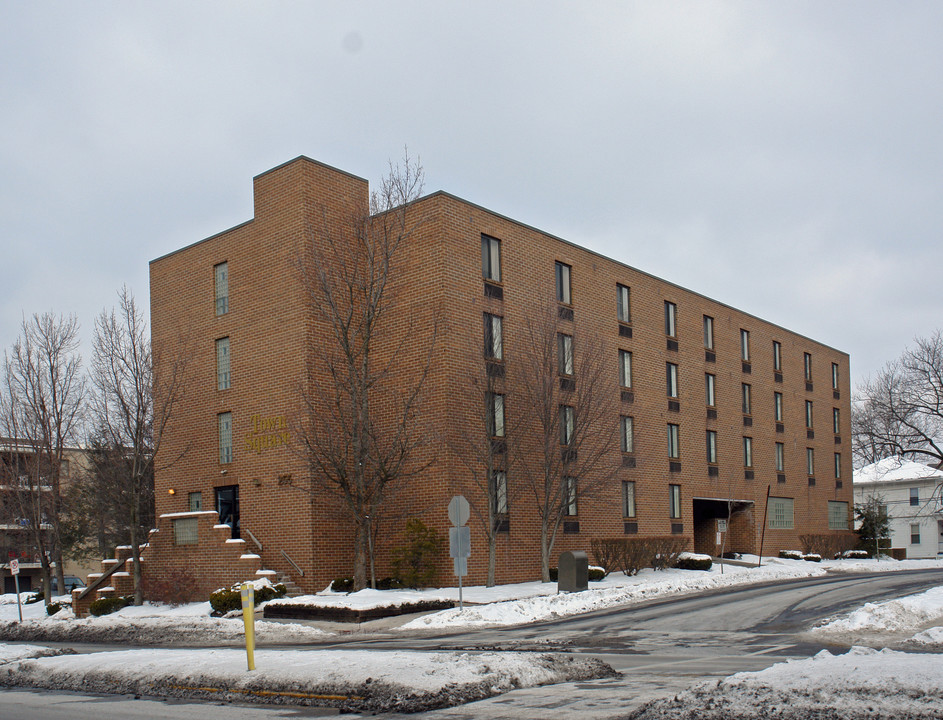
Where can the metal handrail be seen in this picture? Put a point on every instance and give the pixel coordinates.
(254, 538)
(293, 563)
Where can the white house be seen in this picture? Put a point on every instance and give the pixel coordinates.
(911, 494)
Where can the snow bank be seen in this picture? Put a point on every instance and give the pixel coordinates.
(862, 683)
(356, 681)
(892, 616)
(619, 590)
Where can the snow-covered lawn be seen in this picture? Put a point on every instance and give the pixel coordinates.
(531, 602)
(845, 685)
(359, 681)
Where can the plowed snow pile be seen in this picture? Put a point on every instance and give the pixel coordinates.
(861, 684)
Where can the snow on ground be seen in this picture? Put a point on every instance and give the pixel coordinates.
(862, 683)
(892, 622)
(359, 681)
(617, 589)
(844, 685)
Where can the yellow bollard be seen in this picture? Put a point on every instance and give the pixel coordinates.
(248, 617)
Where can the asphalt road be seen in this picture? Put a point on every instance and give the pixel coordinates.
(660, 646)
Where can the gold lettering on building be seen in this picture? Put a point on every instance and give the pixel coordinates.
(267, 433)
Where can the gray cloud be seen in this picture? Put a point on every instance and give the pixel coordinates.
(780, 157)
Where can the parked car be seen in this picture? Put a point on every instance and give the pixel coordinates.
(71, 582)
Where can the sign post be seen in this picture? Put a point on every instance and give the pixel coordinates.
(459, 540)
(15, 571)
(248, 617)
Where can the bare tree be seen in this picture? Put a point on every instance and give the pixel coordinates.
(566, 390)
(41, 410)
(132, 407)
(900, 411)
(358, 432)
(482, 447)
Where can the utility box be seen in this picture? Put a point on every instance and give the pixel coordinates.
(572, 572)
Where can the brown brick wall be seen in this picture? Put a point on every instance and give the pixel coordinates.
(438, 285)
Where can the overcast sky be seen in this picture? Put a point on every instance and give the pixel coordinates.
(784, 158)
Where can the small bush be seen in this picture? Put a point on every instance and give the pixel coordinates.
(665, 551)
(53, 608)
(691, 561)
(729, 555)
(106, 606)
(853, 555)
(827, 544)
(414, 562)
(343, 584)
(223, 601)
(34, 598)
(790, 554)
(389, 583)
(595, 574)
(812, 557)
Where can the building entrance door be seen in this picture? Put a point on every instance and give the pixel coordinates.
(227, 505)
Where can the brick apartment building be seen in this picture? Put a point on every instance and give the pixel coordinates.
(715, 408)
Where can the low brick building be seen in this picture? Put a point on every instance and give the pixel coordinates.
(715, 409)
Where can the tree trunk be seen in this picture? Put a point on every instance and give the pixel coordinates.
(544, 553)
(361, 541)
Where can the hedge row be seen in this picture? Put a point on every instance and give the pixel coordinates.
(632, 554)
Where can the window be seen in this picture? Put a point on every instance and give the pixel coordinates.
(778, 406)
(674, 450)
(915, 534)
(780, 513)
(777, 356)
(623, 306)
(836, 420)
(494, 337)
(711, 446)
(567, 424)
(564, 354)
(64, 469)
(674, 501)
(780, 457)
(808, 414)
(810, 461)
(837, 515)
(708, 332)
(221, 273)
(222, 364)
(807, 362)
(628, 498)
(747, 404)
(748, 452)
(225, 437)
(710, 382)
(499, 486)
(195, 501)
(837, 465)
(834, 376)
(672, 373)
(671, 319)
(186, 531)
(569, 495)
(490, 258)
(563, 283)
(625, 368)
(914, 497)
(745, 345)
(627, 435)
(495, 414)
